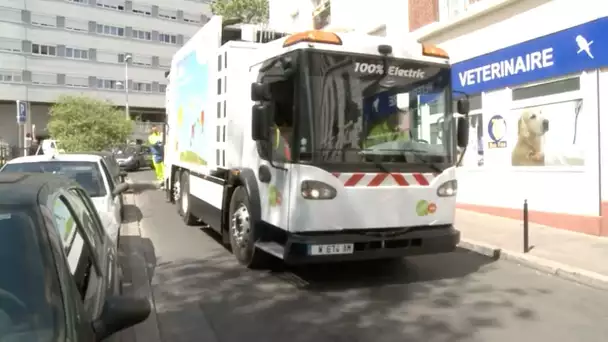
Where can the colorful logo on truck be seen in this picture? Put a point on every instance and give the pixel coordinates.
(275, 197)
(425, 208)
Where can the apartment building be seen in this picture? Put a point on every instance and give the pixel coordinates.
(530, 65)
(54, 47)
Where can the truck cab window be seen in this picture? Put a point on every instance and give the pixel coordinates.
(282, 130)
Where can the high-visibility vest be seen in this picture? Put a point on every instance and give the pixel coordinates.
(155, 138)
(280, 141)
(382, 133)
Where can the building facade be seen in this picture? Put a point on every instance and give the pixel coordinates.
(54, 47)
(538, 70)
(534, 71)
(385, 17)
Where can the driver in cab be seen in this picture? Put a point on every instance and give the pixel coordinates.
(280, 135)
(394, 127)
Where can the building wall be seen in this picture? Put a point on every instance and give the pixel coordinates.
(297, 15)
(81, 57)
(564, 196)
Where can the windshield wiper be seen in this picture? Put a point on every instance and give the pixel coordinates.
(418, 156)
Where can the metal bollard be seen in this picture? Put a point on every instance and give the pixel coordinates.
(526, 232)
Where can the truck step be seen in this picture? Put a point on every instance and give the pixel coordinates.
(271, 248)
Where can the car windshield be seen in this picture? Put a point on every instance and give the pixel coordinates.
(30, 301)
(358, 110)
(87, 174)
(125, 149)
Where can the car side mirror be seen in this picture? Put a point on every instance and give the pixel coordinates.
(120, 188)
(462, 106)
(462, 132)
(261, 115)
(120, 312)
(260, 92)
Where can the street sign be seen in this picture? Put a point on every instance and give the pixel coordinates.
(21, 112)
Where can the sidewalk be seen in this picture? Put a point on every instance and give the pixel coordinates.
(136, 281)
(575, 256)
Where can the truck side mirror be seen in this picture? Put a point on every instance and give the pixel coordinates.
(261, 115)
(462, 132)
(462, 106)
(260, 92)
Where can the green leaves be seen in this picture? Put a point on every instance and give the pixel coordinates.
(82, 123)
(249, 11)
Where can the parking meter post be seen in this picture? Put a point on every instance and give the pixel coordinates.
(526, 231)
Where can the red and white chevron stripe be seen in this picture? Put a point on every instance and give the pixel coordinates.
(363, 180)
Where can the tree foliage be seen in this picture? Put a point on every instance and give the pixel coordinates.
(248, 11)
(82, 123)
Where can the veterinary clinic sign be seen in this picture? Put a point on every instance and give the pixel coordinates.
(573, 50)
(497, 130)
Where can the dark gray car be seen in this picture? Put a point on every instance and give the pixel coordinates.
(133, 157)
(60, 279)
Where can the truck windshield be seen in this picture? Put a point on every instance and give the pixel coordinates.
(360, 113)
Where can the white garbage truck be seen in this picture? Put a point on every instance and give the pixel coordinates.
(316, 146)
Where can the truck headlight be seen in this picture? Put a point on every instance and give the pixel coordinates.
(315, 190)
(448, 189)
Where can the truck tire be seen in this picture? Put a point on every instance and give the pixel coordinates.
(183, 203)
(242, 233)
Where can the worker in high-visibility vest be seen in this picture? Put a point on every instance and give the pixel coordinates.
(393, 128)
(280, 143)
(155, 140)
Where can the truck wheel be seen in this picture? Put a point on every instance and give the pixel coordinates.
(183, 203)
(242, 232)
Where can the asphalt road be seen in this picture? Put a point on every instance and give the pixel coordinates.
(202, 294)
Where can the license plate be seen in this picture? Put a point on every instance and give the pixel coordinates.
(336, 249)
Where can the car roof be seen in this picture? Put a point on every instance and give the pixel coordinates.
(27, 188)
(72, 157)
(96, 153)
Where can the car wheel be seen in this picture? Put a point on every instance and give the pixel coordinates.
(183, 203)
(242, 232)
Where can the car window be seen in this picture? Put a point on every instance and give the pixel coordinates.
(87, 174)
(31, 303)
(65, 224)
(84, 217)
(88, 215)
(109, 177)
(78, 251)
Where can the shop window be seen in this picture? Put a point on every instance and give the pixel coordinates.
(545, 89)
(474, 155)
(436, 107)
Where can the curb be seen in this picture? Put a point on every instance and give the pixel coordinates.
(578, 275)
(148, 330)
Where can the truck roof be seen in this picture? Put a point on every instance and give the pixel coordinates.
(208, 40)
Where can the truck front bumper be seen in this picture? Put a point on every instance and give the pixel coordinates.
(373, 244)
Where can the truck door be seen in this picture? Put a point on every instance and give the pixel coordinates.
(278, 151)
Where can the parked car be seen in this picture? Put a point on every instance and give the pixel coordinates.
(60, 277)
(133, 157)
(90, 172)
(118, 175)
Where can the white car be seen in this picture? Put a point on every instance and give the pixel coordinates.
(93, 175)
